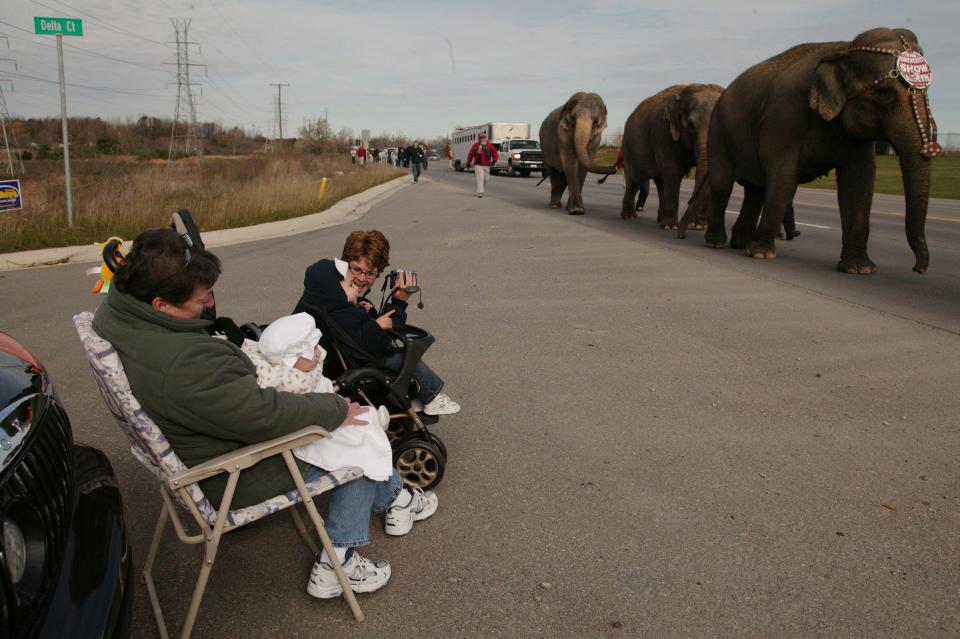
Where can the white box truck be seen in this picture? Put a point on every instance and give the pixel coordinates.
(519, 155)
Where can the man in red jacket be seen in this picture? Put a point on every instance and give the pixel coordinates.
(482, 156)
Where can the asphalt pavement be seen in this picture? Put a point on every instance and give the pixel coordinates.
(657, 439)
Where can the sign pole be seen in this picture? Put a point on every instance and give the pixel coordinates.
(66, 138)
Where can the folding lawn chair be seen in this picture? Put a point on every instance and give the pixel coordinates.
(179, 484)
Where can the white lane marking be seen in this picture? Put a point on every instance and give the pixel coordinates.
(816, 226)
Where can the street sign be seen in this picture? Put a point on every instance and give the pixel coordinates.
(57, 26)
(10, 198)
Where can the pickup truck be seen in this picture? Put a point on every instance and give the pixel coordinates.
(519, 157)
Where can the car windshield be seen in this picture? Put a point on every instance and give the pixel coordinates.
(524, 144)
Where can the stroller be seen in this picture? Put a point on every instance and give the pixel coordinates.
(418, 455)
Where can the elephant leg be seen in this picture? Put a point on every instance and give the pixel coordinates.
(743, 228)
(854, 197)
(720, 183)
(659, 182)
(779, 193)
(669, 198)
(576, 175)
(696, 214)
(627, 210)
(558, 184)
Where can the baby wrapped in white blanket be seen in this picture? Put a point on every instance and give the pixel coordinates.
(289, 358)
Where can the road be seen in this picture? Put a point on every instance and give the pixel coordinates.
(658, 439)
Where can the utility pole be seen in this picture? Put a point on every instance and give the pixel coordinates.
(14, 166)
(278, 113)
(186, 103)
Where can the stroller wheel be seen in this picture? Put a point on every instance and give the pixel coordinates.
(439, 444)
(419, 463)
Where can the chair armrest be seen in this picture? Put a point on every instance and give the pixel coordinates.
(245, 457)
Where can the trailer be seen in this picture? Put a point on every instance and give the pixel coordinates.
(463, 138)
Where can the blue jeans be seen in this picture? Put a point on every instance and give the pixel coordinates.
(348, 518)
(415, 169)
(430, 382)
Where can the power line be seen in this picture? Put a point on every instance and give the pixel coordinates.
(24, 76)
(101, 21)
(80, 50)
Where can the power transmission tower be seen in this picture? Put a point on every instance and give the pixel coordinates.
(14, 163)
(278, 114)
(186, 107)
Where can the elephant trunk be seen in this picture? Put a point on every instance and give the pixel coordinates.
(916, 188)
(581, 140)
(701, 160)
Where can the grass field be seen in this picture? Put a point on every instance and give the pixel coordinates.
(125, 196)
(944, 183)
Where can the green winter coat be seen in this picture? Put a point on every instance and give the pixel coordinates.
(202, 392)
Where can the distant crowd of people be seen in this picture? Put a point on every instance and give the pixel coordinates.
(415, 156)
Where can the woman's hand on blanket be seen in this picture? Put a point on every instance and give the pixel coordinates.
(355, 414)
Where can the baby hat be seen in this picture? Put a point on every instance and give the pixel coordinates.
(289, 338)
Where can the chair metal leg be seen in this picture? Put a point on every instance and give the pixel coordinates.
(302, 529)
(147, 576)
(210, 546)
(348, 593)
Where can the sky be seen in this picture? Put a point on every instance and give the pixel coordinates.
(422, 68)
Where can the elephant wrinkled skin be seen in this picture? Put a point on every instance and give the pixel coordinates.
(570, 137)
(814, 108)
(664, 137)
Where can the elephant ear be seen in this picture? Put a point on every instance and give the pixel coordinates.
(671, 115)
(828, 91)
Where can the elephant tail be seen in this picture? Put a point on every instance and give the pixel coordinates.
(541, 180)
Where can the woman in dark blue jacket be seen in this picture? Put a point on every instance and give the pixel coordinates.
(338, 287)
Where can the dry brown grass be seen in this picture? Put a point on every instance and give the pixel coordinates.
(123, 196)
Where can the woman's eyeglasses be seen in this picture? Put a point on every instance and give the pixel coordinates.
(357, 271)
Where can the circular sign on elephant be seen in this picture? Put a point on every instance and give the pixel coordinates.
(914, 70)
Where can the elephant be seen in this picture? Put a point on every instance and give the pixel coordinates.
(816, 107)
(570, 137)
(664, 137)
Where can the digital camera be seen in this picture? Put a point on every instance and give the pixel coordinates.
(392, 281)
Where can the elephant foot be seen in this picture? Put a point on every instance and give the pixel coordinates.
(761, 251)
(577, 210)
(628, 215)
(859, 266)
(668, 223)
(715, 240)
(555, 205)
(698, 226)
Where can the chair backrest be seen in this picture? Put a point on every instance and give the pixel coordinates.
(147, 441)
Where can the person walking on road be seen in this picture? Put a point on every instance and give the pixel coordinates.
(416, 158)
(482, 156)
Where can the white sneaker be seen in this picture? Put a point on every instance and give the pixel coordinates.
(442, 405)
(364, 575)
(399, 520)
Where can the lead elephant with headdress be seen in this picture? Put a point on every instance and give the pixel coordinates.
(815, 108)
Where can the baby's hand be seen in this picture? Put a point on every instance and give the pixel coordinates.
(352, 292)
